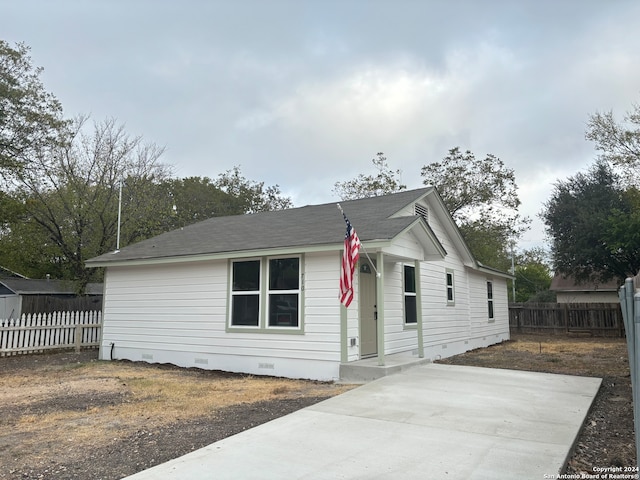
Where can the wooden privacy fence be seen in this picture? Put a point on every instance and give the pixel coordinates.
(597, 319)
(36, 333)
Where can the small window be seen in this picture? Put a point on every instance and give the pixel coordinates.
(410, 307)
(451, 296)
(284, 292)
(245, 294)
(490, 299)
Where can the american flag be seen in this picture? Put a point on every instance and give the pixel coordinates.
(349, 259)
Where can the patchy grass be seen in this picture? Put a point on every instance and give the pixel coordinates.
(46, 410)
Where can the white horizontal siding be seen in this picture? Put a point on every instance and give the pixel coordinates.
(181, 310)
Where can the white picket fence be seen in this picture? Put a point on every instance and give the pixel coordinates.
(46, 331)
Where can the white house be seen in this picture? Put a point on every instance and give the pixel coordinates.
(259, 293)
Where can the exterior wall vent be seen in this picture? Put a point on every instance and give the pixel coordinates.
(422, 211)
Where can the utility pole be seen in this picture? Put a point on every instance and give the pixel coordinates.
(119, 216)
(513, 272)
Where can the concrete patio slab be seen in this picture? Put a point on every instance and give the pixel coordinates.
(432, 421)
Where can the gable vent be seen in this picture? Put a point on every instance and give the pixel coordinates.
(422, 211)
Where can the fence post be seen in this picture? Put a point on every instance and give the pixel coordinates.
(78, 338)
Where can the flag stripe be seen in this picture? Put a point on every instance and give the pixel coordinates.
(350, 257)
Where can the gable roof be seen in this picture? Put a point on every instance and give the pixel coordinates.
(319, 226)
(377, 221)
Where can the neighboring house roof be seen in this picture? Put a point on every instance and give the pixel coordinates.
(27, 286)
(7, 273)
(375, 219)
(560, 283)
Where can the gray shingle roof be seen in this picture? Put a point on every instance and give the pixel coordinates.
(304, 227)
(560, 283)
(28, 286)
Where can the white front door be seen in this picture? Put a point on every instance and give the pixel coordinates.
(367, 308)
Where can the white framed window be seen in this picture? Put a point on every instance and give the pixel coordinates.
(451, 291)
(490, 299)
(410, 295)
(265, 293)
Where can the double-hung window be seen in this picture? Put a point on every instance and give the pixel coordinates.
(265, 293)
(284, 292)
(451, 294)
(245, 293)
(410, 297)
(490, 299)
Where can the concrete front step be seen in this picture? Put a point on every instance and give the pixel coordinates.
(368, 369)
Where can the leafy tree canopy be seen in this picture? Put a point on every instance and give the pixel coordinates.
(533, 277)
(590, 220)
(481, 196)
(30, 117)
(617, 142)
(69, 199)
(252, 196)
(364, 186)
(63, 208)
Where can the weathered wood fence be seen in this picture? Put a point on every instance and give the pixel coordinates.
(597, 319)
(36, 333)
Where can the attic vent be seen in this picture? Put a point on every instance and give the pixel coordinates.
(422, 211)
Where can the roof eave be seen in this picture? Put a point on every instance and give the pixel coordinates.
(372, 244)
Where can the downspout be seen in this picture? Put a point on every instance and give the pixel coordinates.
(380, 303)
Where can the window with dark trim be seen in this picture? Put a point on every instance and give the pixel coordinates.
(245, 293)
(281, 293)
(451, 295)
(490, 299)
(410, 297)
(284, 292)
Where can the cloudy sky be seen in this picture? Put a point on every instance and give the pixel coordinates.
(305, 93)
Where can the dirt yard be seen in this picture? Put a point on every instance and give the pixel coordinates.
(69, 416)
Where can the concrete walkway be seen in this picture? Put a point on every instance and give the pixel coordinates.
(429, 422)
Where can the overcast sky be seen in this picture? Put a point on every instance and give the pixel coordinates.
(305, 93)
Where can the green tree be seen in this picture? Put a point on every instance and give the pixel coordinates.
(194, 199)
(617, 142)
(481, 196)
(69, 199)
(533, 277)
(363, 186)
(489, 243)
(30, 117)
(588, 219)
(252, 196)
